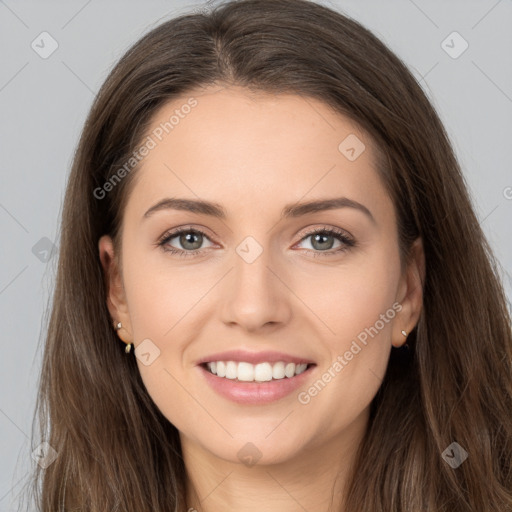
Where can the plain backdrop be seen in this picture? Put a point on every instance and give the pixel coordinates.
(44, 100)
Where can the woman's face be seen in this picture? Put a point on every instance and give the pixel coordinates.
(263, 284)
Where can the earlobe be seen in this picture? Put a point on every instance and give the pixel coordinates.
(115, 296)
(412, 294)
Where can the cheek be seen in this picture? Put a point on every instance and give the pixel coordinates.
(352, 296)
(361, 314)
(158, 295)
(150, 301)
(158, 305)
(365, 324)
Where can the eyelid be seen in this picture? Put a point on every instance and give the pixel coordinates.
(317, 229)
(185, 228)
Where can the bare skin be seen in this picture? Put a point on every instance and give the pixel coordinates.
(254, 154)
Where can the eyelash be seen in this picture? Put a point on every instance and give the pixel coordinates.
(338, 234)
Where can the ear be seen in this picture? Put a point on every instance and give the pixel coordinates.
(410, 294)
(116, 299)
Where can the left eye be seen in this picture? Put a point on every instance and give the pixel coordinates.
(324, 240)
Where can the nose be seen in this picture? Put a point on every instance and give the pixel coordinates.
(254, 295)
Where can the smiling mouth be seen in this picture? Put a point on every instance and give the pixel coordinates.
(241, 371)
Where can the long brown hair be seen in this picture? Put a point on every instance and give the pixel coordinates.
(115, 450)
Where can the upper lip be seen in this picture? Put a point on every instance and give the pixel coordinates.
(254, 357)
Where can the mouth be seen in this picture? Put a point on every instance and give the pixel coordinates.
(255, 378)
(243, 371)
(258, 384)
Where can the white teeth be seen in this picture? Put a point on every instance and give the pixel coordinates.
(301, 368)
(231, 370)
(289, 370)
(221, 369)
(278, 371)
(245, 372)
(262, 372)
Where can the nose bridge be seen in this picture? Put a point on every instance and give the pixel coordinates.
(252, 262)
(256, 296)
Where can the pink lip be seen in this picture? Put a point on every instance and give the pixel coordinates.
(254, 357)
(254, 393)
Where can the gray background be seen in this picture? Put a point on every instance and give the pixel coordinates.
(44, 103)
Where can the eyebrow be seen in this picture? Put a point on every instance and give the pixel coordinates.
(293, 210)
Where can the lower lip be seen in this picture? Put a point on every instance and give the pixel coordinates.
(255, 393)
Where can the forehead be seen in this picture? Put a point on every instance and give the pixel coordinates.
(234, 145)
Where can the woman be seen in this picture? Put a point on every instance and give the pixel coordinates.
(264, 370)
